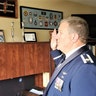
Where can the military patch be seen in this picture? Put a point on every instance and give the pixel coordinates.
(86, 58)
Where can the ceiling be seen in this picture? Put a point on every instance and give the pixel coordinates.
(86, 2)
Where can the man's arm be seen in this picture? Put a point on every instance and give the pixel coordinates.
(57, 56)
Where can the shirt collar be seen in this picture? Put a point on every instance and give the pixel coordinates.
(74, 50)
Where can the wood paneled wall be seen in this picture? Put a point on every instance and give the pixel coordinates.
(23, 59)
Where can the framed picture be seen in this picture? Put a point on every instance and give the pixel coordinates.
(8, 8)
(37, 18)
(30, 37)
(2, 38)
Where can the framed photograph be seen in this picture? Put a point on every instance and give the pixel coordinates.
(30, 37)
(2, 38)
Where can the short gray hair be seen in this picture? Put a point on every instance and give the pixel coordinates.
(78, 25)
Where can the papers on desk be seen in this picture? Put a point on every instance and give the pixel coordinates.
(36, 91)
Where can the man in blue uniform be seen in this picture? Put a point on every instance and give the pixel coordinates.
(74, 75)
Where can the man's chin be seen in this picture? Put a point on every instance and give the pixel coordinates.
(58, 48)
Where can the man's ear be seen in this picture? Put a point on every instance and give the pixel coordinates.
(75, 37)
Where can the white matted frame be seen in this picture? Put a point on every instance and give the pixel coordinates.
(30, 37)
(2, 37)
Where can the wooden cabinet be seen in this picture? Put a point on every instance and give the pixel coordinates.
(14, 59)
(37, 58)
(2, 62)
(23, 59)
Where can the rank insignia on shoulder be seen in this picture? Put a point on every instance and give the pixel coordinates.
(86, 58)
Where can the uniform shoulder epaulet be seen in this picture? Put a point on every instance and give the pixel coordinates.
(86, 58)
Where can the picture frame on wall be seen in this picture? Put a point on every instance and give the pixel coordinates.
(2, 38)
(37, 18)
(30, 37)
(9, 8)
